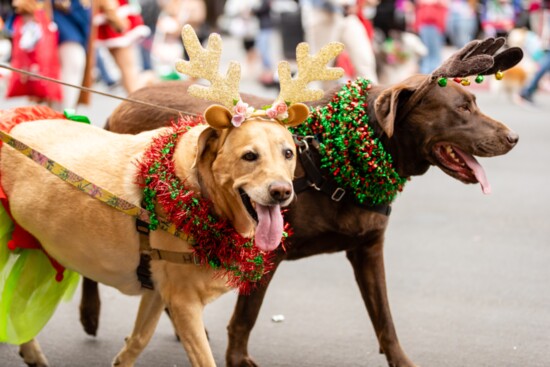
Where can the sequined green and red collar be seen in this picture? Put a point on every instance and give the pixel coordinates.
(349, 149)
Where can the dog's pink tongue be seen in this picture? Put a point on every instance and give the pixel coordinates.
(479, 172)
(269, 231)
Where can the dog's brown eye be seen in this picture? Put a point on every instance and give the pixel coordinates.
(250, 156)
(289, 154)
(464, 108)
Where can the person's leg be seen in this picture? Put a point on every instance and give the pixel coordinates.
(433, 40)
(319, 28)
(462, 29)
(470, 29)
(453, 28)
(249, 45)
(102, 68)
(127, 63)
(73, 65)
(359, 47)
(262, 42)
(529, 90)
(145, 52)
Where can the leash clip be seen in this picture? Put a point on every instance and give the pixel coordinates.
(312, 184)
(301, 142)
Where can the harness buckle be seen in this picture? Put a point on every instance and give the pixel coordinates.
(338, 194)
(142, 227)
(143, 271)
(154, 254)
(190, 258)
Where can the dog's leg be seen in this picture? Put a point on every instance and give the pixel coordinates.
(186, 313)
(32, 354)
(90, 305)
(243, 320)
(150, 309)
(368, 266)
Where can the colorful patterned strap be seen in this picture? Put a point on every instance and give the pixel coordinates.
(89, 188)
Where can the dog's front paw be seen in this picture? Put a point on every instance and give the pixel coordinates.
(117, 362)
(403, 361)
(240, 360)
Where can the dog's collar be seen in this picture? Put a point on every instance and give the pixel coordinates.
(349, 150)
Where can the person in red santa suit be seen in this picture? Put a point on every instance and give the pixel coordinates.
(120, 27)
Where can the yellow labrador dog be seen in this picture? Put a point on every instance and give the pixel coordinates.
(237, 152)
(91, 238)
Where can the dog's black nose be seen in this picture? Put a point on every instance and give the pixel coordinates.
(280, 191)
(512, 138)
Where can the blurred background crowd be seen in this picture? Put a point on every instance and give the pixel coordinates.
(128, 44)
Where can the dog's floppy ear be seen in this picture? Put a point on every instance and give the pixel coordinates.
(385, 107)
(218, 117)
(297, 113)
(202, 144)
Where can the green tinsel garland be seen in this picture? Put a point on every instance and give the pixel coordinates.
(349, 149)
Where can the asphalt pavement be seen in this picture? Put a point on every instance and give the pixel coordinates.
(468, 277)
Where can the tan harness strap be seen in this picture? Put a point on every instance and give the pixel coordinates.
(174, 256)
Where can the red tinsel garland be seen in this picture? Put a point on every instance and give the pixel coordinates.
(216, 243)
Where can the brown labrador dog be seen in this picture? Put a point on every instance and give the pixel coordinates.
(420, 125)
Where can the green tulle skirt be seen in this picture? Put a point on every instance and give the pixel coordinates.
(29, 293)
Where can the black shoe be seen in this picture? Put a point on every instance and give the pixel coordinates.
(524, 100)
(527, 98)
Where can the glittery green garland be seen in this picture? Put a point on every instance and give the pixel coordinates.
(349, 149)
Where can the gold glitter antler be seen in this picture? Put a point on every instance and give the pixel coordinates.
(204, 63)
(310, 68)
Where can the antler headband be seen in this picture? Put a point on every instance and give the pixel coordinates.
(287, 109)
(476, 58)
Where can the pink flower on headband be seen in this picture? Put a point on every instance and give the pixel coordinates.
(241, 112)
(281, 108)
(271, 113)
(237, 120)
(278, 111)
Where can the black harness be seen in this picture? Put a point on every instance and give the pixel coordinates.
(315, 178)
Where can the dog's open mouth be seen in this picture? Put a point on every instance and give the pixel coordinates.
(461, 165)
(269, 222)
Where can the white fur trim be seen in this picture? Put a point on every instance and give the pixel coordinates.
(123, 12)
(129, 38)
